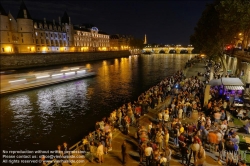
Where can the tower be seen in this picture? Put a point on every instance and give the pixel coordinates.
(145, 39)
(6, 45)
(25, 30)
(66, 22)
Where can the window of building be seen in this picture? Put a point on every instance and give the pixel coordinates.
(33, 40)
(55, 35)
(46, 35)
(36, 41)
(67, 30)
(21, 35)
(21, 28)
(36, 33)
(42, 41)
(68, 38)
(38, 48)
(41, 34)
(8, 39)
(64, 36)
(3, 49)
(57, 48)
(22, 40)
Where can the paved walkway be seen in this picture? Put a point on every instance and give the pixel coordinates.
(114, 157)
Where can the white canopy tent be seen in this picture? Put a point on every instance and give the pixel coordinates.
(228, 83)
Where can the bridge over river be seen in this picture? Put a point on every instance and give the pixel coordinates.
(178, 49)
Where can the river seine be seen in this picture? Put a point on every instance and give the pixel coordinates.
(45, 117)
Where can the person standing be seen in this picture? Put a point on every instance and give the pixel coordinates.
(201, 156)
(194, 149)
(124, 152)
(184, 153)
(148, 153)
(92, 149)
(166, 138)
(66, 152)
(100, 152)
(59, 155)
(168, 154)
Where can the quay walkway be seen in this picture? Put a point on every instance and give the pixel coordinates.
(114, 157)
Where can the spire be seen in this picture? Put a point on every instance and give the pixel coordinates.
(2, 11)
(65, 18)
(145, 39)
(23, 11)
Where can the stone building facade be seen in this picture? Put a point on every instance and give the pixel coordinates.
(27, 35)
(119, 42)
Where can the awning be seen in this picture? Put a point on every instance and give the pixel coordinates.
(234, 87)
(226, 82)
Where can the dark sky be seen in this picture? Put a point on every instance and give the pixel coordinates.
(164, 21)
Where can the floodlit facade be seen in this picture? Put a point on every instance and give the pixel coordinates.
(119, 42)
(27, 35)
(89, 38)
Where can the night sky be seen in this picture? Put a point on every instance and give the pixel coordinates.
(164, 22)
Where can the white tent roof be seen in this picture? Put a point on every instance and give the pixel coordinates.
(226, 82)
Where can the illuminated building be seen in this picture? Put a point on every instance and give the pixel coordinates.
(27, 35)
(89, 38)
(119, 42)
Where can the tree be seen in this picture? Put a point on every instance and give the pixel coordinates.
(218, 26)
(235, 14)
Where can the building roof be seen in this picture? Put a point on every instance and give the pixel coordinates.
(48, 22)
(65, 18)
(102, 32)
(80, 28)
(2, 11)
(114, 37)
(21, 11)
(87, 25)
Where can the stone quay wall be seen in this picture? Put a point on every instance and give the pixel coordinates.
(237, 63)
(18, 61)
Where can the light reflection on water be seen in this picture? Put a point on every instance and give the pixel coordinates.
(44, 117)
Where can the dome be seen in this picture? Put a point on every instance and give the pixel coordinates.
(94, 29)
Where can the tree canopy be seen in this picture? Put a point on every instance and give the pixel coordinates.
(219, 25)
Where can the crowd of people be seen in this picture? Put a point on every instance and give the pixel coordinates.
(172, 131)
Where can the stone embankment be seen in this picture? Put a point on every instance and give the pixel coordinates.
(18, 61)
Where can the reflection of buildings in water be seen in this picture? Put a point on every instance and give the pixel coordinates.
(22, 115)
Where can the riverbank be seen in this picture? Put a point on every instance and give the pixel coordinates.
(114, 157)
(21, 61)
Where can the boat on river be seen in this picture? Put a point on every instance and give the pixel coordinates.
(19, 82)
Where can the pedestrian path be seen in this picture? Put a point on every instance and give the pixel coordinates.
(114, 157)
